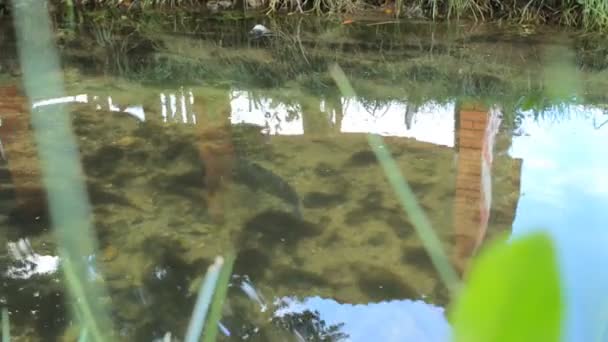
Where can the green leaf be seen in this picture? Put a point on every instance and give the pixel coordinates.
(215, 312)
(512, 294)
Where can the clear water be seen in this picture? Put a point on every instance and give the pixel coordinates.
(197, 139)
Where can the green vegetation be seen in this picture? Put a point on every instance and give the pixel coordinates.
(588, 14)
(513, 293)
(6, 334)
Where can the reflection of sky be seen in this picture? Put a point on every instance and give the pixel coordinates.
(565, 192)
(265, 112)
(31, 263)
(399, 320)
(431, 123)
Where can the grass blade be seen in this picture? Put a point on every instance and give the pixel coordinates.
(84, 335)
(215, 312)
(6, 333)
(88, 319)
(405, 195)
(57, 148)
(205, 294)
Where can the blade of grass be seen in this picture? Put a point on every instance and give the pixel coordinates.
(6, 333)
(405, 195)
(215, 312)
(205, 294)
(57, 149)
(88, 318)
(84, 335)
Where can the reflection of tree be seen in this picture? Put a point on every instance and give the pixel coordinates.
(310, 327)
(372, 106)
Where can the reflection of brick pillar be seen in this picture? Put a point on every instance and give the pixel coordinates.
(215, 146)
(468, 228)
(20, 151)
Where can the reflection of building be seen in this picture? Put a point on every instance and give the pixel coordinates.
(19, 151)
(436, 132)
(477, 128)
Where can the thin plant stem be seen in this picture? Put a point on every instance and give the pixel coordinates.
(82, 301)
(57, 149)
(84, 335)
(6, 332)
(215, 312)
(205, 294)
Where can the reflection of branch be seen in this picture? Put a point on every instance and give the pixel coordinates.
(410, 112)
(600, 126)
(375, 108)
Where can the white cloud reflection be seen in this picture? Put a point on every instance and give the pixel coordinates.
(29, 263)
(397, 320)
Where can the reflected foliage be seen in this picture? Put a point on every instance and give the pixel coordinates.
(310, 327)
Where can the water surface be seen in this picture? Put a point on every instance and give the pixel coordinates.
(197, 140)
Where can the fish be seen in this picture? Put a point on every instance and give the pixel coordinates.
(256, 177)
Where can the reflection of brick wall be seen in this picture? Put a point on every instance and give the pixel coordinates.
(467, 216)
(20, 149)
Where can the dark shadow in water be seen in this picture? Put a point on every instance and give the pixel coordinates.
(36, 302)
(380, 284)
(317, 199)
(418, 257)
(271, 229)
(299, 279)
(362, 158)
(166, 284)
(252, 262)
(28, 220)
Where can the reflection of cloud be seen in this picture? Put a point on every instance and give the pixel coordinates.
(399, 320)
(563, 155)
(565, 187)
(29, 263)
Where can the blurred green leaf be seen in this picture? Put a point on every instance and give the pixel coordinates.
(512, 294)
(532, 101)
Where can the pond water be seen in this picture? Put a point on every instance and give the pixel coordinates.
(197, 139)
